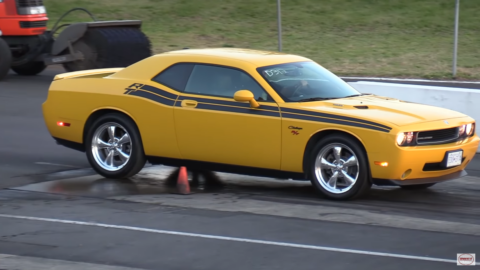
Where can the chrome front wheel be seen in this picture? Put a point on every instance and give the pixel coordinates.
(339, 167)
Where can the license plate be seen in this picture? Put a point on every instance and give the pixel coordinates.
(454, 158)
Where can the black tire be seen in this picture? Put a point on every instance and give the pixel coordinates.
(30, 69)
(110, 48)
(363, 182)
(137, 158)
(417, 187)
(5, 59)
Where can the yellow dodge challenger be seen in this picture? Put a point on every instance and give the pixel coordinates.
(256, 113)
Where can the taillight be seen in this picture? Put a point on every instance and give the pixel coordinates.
(63, 124)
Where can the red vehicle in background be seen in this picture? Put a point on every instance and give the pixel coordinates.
(27, 47)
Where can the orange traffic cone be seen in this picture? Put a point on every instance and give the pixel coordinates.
(183, 186)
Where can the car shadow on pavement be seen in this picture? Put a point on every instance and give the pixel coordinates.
(459, 197)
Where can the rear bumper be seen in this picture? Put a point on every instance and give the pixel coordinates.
(69, 144)
(419, 181)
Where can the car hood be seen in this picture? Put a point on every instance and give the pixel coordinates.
(382, 109)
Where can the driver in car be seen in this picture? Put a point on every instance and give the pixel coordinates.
(288, 90)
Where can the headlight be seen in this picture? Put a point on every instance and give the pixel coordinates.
(461, 130)
(401, 138)
(405, 138)
(37, 10)
(469, 129)
(32, 10)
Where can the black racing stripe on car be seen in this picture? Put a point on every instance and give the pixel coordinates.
(331, 121)
(226, 102)
(237, 110)
(339, 117)
(153, 97)
(158, 91)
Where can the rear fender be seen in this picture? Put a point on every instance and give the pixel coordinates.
(76, 31)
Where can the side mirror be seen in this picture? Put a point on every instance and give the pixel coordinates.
(245, 95)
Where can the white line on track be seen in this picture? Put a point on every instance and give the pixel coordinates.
(56, 164)
(234, 239)
(407, 80)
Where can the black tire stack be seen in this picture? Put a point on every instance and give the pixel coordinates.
(110, 48)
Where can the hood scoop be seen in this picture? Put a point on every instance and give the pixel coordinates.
(350, 106)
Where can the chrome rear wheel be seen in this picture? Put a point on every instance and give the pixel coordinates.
(111, 146)
(114, 146)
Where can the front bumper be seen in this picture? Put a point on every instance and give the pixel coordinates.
(24, 25)
(420, 165)
(420, 181)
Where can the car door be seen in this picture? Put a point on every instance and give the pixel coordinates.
(211, 126)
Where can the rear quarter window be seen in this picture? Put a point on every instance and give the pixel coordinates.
(175, 76)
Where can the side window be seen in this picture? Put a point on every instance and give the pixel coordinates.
(223, 82)
(175, 77)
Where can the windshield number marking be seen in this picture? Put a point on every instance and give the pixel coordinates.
(274, 72)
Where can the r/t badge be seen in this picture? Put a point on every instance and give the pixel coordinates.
(294, 131)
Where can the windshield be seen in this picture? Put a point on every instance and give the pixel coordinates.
(301, 81)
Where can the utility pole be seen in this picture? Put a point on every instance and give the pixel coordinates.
(455, 40)
(279, 22)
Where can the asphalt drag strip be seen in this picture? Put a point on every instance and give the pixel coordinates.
(13, 262)
(234, 239)
(141, 223)
(450, 207)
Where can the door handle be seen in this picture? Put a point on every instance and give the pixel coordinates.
(189, 103)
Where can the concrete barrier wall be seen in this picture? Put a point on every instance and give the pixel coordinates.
(463, 100)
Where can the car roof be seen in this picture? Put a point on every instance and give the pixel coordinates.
(258, 58)
(232, 56)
